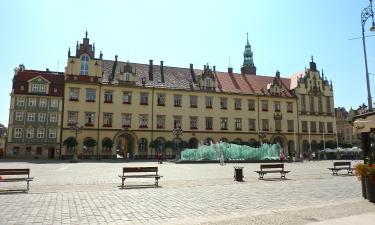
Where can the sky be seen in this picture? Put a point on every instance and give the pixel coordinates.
(283, 34)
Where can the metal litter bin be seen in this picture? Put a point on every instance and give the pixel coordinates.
(238, 173)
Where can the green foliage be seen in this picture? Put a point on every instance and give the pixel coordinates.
(70, 142)
(169, 144)
(89, 142)
(107, 143)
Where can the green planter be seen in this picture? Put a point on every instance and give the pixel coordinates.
(370, 188)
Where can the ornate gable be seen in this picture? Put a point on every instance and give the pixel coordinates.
(206, 80)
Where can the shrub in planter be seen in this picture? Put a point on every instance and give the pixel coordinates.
(361, 171)
(370, 183)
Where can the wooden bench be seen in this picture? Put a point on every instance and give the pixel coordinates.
(17, 173)
(337, 166)
(272, 168)
(140, 172)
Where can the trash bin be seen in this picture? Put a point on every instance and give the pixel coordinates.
(238, 173)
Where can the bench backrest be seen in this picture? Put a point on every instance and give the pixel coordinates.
(335, 164)
(139, 169)
(271, 166)
(15, 172)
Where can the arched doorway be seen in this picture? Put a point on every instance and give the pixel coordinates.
(124, 143)
(161, 145)
(305, 146)
(224, 140)
(208, 141)
(279, 140)
(237, 141)
(253, 143)
(193, 143)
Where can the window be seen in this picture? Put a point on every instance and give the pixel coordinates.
(237, 104)
(208, 102)
(223, 103)
(290, 125)
(53, 118)
(278, 125)
(41, 117)
(127, 97)
(224, 123)
(193, 101)
(328, 104)
(177, 122)
(90, 95)
(84, 65)
(265, 126)
(177, 99)
(107, 119)
(54, 103)
(143, 121)
(207, 83)
(40, 133)
(38, 88)
(251, 104)
(30, 133)
(264, 105)
(108, 96)
(193, 122)
(143, 145)
(289, 107)
(39, 150)
(19, 116)
(321, 127)
(209, 123)
(144, 99)
(161, 99)
(127, 76)
(73, 94)
(312, 104)
(89, 119)
(304, 126)
(43, 102)
(126, 120)
(72, 117)
(238, 123)
(30, 117)
(320, 104)
(18, 133)
(51, 133)
(20, 101)
(277, 106)
(312, 126)
(160, 121)
(32, 102)
(329, 127)
(252, 125)
(303, 103)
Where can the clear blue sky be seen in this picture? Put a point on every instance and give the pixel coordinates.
(283, 35)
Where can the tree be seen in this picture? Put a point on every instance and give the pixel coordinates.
(70, 142)
(107, 143)
(89, 142)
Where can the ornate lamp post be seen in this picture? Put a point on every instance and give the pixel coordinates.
(77, 129)
(367, 13)
(262, 134)
(177, 132)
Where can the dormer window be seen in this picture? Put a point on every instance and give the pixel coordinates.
(84, 65)
(127, 77)
(38, 88)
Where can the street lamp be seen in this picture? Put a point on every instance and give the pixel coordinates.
(77, 129)
(262, 135)
(177, 131)
(367, 13)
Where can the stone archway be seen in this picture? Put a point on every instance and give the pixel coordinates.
(124, 143)
(291, 148)
(280, 140)
(193, 143)
(305, 146)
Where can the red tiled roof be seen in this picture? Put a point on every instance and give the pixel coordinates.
(23, 76)
(180, 78)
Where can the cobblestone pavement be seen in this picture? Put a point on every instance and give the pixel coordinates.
(89, 193)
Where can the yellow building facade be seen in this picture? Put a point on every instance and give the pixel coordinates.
(113, 107)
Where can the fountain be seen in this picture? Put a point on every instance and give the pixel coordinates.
(231, 152)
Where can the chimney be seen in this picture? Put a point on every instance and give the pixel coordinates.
(277, 73)
(150, 72)
(162, 71)
(47, 70)
(101, 55)
(205, 68)
(116, 58)
(192, 73)
(230, 70)
(214, 68)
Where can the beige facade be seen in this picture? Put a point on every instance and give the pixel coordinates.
(133, 104)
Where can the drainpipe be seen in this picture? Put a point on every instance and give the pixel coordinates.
(152, 115)
(98, 123)
(61, 125)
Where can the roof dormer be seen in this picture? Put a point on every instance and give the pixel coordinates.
(207, 80)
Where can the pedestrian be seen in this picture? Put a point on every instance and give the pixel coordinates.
(158, 156)
(127, 156)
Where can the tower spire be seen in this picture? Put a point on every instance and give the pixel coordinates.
(248, 66)
(86, 33)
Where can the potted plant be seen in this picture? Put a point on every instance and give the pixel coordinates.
(360, 171)
(370, 182)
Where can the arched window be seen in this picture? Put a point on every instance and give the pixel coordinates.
(84, 65)
(208, 82)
